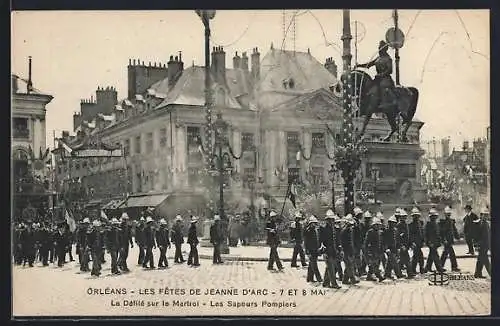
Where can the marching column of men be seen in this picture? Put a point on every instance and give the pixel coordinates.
(351, 247)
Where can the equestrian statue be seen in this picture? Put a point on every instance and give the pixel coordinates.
(380, 95)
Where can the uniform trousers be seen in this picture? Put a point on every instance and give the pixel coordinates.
(329, 278)
(298, 250)
(404, 259)
(433, 259)
(84, 265)
(418, 258)
(44, 254)
(392, 265)
(96, 262)
(312, 269)
(178, 253)
(142, 254)
(350, 269)
(122, 258)
(148, 258)
(449, 251)
(216, 257)
(274, 257)
(162, 261)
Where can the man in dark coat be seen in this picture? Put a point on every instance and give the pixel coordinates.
(404, 242)
(470, 216)
(52, 246)
(482, 235)
(348, 238)
(178, 239)
(28, 244)
(433, 241)
(95, 243)
(193, 259)
(449, 232)
(363, 229)
(18, 250)
(149, 244)
(331, 247)
(338, 236)
(358, 241)
(139, 239)
(417, 241)
(81, 243)
(273, 241)
(391, 243)
(125, 242)
(312, 243)
(113, 242)
(163, 242)
(61, 244)
(216, 238)
(296, 235)
(44, 239)
(373, 249)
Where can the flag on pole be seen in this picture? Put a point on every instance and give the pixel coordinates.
(292, 193)
(70, 221)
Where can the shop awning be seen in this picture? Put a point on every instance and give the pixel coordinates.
(113, 204)
(144, 201)
(93, 203)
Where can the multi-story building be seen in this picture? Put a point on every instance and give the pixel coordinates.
(29, 152)
(284, 122)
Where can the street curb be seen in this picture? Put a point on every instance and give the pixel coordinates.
(265, 259)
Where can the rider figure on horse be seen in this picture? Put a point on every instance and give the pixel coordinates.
(382, 92)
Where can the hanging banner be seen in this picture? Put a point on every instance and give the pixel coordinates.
(95, 152)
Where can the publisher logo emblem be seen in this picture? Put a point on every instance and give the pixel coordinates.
(437, 278)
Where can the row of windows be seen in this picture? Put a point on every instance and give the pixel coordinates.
(391, 170)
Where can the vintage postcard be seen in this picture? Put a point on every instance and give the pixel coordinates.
(251, 163)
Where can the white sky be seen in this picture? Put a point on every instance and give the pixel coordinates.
(74, 52)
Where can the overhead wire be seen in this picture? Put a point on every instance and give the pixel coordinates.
(252, 20)
(468, 36)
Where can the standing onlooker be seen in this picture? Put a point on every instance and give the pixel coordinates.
(296, 235)
(448, 232)
(312, 243)
(178, 239)
(193, 241)
(482, 236)
(216, 238)
(470, 216)
(163, 242)
(273, 242)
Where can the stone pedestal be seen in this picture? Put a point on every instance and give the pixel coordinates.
(205, 241)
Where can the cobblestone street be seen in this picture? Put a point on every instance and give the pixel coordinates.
(46, 291)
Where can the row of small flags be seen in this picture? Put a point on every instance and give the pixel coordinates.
(70, 220)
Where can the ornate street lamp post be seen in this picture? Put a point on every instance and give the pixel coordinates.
(375, 172)
(221, 167)
(332, 172)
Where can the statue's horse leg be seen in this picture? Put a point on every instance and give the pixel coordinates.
(391, 117)
(365, 123)
(410, 112)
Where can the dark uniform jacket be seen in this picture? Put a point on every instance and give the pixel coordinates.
(139, 234)
(312, 239)
(448, 231)
(177, 236)
(162, 238)
(347, 240)
(358, 236)
(112, 238)
(149, 236)
(28, 238)
(81, 236)
(404, 234)
(95, 239)
(391, 238)
(363, 229)
(61, 239)
(417, 235)
(432, 234)
(328, 238)
(125, 236)
(374, 242)
(272, 237)
(216, 234)
(468, 224)
(192, 235)
(296, 233)
(43, 237)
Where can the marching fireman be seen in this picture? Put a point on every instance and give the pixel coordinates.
(363, 228)
(331, 246)
(358, 241)
(163, 242)
(433, 241)
(449, 232)
(28, 244)
(482, 237)
(216, 238)
(338, 233)
(139, 239)
(404, 242)
(391, 243)
(178, 239)
(417, 241)
(273, 241)
(380, 216)
(125, 242)
(61, 244)
(81, 243)
(193, 259)
(348, 237)
(469, 217)
(312, 244)
(112, 239)
(296, 235)
(94, 245)
(44, 239)
(373, 248)
(149, 244)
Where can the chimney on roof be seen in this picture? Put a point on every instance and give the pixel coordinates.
(174, 70)
(236, 61)
(244, 61)
(331, 66)
(445, 147)
(219, 65)
(255, 64)
(15, 85)
(465, 146)
(30, 83)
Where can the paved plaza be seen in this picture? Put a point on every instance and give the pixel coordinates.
(47, 291)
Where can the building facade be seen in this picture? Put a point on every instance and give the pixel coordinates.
(29, 152)
(284, 122)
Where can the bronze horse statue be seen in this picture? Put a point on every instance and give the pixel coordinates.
(405, 106)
